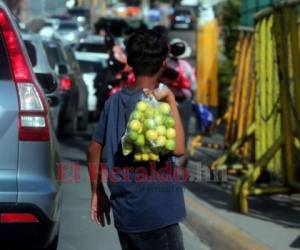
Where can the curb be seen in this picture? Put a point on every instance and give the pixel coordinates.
(215, 231)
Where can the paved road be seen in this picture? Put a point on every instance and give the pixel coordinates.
(77, 230)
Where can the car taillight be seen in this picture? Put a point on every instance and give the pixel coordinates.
(33, 109)
(18, 218)
(66, 83)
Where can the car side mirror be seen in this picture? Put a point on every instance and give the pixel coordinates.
(61, 69)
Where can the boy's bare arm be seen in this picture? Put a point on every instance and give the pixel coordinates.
(100, 204)
(94, 158)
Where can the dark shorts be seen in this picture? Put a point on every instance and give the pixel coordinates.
(167, 238)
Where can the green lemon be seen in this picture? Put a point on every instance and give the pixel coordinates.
(140, 141)
(132, 135)
(164, 108)
(159, 119)
(161, 141)
(154, 157)
(170, 145)
(151, 135)
(149, 113)
(145, 157)
(135, 125)
(141, 106)
(137, 115)
(171, 133)
(137, 157)
(169, 122)
(149, 124)
(161, 130)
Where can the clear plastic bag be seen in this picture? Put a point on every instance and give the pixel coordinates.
(150, 130)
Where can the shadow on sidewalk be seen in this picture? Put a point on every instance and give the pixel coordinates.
(279, 209)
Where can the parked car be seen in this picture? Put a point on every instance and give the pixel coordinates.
(48, 28)
(183, 18)
(30, 194)
(92, 55)
(69, 32)
(44, 74)
(74, 112)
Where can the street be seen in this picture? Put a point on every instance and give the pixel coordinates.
(77, 231)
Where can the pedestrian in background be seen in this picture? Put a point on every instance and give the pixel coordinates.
(180, 77)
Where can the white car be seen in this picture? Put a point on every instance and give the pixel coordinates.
(92, 55)
(69, 32)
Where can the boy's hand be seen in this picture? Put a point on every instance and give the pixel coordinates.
(164, 94)
(100, 208)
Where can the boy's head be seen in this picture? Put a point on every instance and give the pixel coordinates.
(146, 52)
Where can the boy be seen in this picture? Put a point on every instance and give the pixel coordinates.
(146, 213)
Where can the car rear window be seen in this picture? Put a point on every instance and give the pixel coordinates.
(92, 47)
(53, 54)
(5, 73)
(31, 52)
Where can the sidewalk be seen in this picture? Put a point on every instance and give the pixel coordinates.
(273, 222)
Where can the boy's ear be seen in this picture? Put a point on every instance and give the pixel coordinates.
(164, 64)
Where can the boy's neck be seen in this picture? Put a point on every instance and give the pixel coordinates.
(149, 82)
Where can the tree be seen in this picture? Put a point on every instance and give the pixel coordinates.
(229, 13)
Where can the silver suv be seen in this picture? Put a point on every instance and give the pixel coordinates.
(30, 194)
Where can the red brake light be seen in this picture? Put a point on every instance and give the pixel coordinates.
(66, 83)
(18, 218)
(33, 114)
(18, 62)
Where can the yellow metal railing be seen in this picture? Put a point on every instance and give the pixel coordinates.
(276, 106)
(263, 118)
(240, 113)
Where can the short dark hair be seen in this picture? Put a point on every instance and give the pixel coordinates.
(146, 52)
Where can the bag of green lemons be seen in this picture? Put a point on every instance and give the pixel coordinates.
(150, 130)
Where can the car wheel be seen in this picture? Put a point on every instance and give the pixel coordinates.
(53, 245)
